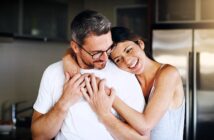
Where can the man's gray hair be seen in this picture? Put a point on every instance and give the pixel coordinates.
(88, 23)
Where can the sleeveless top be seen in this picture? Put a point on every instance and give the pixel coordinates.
(171, 125)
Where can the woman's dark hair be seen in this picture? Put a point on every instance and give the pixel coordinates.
(89, 22)
(121, 34)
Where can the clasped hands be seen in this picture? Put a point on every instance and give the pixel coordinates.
(93, 89)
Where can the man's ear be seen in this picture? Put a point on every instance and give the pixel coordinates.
(141, 44)
(74, 46)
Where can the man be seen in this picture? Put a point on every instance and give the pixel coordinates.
(60, 110)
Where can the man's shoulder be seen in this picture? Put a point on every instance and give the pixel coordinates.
(117, 76)
(115, 70)
(54, 69)
(110, 70)
(55, 66)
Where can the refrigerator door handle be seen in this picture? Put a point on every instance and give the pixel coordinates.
(187, 97)
(195, 69)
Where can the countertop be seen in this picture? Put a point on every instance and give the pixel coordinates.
(20, 133)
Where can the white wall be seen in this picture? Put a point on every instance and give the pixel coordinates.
(21, 66)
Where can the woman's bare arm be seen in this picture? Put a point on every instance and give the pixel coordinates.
(69, 63)
(70, 66)
(116, 127)
(161, 100)
(101, 104)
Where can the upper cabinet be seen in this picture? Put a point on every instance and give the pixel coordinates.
(134, 17)
(34, 18)
(184, 11)
(9, 11)
(207, 10)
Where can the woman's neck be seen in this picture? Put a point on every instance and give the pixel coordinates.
(150, 68)
(147, 77)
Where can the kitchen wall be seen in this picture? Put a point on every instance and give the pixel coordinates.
(22, 61)
(21, 66)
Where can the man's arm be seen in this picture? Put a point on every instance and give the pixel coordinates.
(46, 126)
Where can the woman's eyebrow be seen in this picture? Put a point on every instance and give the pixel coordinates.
(116, 57)
(124, 50)
(127, 47)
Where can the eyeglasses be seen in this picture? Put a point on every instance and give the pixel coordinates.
(98, 54)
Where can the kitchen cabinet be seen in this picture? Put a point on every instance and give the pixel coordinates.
(136, 18)
(9, 16)
(34, 18)
(20, 133)
(184, 11)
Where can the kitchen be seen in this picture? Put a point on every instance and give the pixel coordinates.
(35, 34)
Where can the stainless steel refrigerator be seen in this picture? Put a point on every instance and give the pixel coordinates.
(192, 52)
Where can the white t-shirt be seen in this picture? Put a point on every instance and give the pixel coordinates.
(81, 123)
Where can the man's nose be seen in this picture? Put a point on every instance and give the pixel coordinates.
(104, 56)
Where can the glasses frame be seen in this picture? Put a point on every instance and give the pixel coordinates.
(97, 55)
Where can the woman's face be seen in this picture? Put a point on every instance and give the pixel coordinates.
(129, 56)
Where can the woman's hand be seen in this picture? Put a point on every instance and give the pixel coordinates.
(69, 64)
(72, 89)
(96, 95)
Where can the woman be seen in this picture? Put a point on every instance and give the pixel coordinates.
(161, 86)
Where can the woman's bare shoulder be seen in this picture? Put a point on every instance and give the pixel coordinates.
(168, 73)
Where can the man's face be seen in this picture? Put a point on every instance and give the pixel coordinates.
(93, 45)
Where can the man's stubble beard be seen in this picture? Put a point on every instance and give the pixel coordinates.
(100, 66)
(94, 64)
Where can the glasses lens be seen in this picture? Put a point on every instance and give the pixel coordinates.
(109, 51)
(97, 55)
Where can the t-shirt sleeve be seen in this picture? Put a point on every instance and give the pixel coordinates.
(44, 99)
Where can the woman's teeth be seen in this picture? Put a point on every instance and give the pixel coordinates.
(133, 64)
